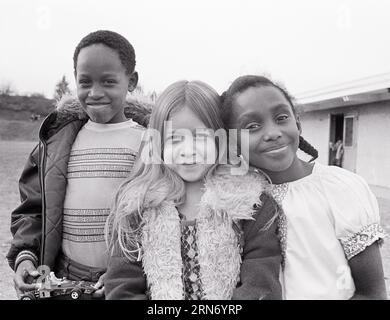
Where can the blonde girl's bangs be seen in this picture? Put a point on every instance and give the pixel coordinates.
(204, 101)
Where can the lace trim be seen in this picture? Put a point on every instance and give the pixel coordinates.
(282, 234)
(362, 239)
(278, 192)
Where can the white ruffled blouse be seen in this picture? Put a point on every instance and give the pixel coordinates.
(331, 215)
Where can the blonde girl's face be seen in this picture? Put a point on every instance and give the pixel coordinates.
(189, 146)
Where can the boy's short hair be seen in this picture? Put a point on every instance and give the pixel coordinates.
(112, 40)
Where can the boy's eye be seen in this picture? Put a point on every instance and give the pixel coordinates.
(109, 81)
(84, 82)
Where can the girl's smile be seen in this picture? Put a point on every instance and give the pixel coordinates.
(275, 150)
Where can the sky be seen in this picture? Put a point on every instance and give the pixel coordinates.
(304, 44)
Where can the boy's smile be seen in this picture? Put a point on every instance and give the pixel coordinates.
(102, 83)
(97, 106)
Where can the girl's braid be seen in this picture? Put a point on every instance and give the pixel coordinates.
(308, 148)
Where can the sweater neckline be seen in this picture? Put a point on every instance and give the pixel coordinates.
(90, 125)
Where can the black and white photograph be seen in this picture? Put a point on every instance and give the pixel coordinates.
(194, 150)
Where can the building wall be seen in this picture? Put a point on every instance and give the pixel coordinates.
(373, 151)
(315, 129)
(373, 139)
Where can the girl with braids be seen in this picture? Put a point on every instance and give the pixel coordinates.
(329, 230)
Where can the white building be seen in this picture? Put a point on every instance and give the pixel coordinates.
(358, 112)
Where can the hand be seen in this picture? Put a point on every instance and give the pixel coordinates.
(25, 270)
(99, 293)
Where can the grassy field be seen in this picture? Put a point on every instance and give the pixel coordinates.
(19, 130)
(13, 156)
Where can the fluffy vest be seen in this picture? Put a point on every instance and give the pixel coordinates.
(227, 200)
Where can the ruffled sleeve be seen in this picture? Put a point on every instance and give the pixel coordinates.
(353, 208)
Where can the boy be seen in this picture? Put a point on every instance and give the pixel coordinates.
(86, 149)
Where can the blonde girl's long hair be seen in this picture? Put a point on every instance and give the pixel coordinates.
(125, 222)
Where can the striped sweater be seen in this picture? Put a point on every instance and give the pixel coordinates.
(101, 157)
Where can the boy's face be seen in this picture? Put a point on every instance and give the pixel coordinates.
(102, 83)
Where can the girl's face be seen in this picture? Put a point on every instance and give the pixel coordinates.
(273, 130)
(102, 83)
(189, 146)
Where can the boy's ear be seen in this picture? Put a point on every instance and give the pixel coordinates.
(133, 81)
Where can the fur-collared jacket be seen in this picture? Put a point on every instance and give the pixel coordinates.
(234, 263)
(36, 224)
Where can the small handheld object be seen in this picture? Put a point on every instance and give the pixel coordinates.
(51, 286)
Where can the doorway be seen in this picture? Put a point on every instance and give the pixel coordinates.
(350, 141)
(336, 133)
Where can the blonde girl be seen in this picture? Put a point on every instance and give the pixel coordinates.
(183, 227)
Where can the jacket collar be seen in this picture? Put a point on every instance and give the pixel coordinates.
(221, 192)
(68, 109)
(227, 200)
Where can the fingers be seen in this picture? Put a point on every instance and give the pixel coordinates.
(98, 285)
(33, 272)
(22, 286)
(27, 287)
(98, 293)
(27, 268)
(25, 273)
(100, 282)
